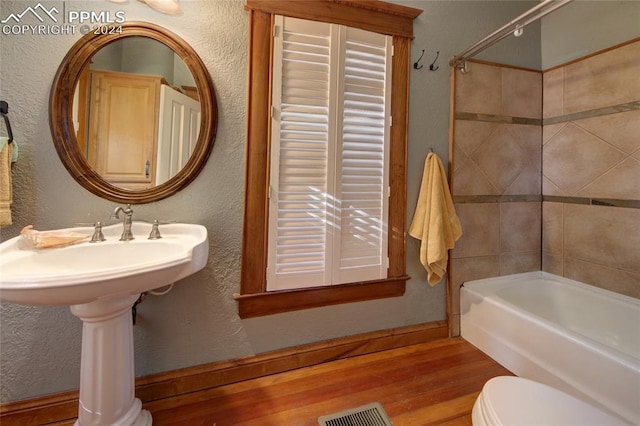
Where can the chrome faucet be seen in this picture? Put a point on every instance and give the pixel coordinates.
(126, 222)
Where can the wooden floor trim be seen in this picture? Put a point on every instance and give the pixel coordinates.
(64, 406)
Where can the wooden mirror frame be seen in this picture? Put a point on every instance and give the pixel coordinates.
(61, 121)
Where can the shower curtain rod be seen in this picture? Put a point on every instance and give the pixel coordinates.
(514, 27)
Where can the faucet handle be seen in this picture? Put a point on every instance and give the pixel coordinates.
(97, 236)
(155, 228)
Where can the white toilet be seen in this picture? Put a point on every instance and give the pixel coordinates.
(515, 401)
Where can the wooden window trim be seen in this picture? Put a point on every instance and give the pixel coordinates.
(253, 299)
(372, 15)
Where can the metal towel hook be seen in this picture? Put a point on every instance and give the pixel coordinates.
(432, 67)
(415, 64)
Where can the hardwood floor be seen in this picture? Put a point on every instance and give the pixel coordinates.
(434, 383)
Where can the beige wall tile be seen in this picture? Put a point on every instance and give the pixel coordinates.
(520, 225)
(480, 229)
(621, 130)
(468, 179)
(527, 182)
(460, 159)
(574, 157)
(521, 93)
(501, 157)
(530, 139)
(552, 227)
(603, 235)
(550, 130)
(623, 282)
(479, 91)
(469, 135)
(515, 263)
(552, 263)
(622, 181)
(498, 159)
(550, 188)
(553, 93)
(607, 79)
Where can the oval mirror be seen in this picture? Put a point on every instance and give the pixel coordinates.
(133, 114)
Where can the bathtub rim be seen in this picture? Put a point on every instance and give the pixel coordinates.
(502, 280)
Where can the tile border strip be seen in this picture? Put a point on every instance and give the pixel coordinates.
(476, 199)
(505, 119)
(530, 198)
(613, 109)
(606, 202)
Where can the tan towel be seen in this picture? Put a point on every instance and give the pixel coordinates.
(435, 221)
(6, 195)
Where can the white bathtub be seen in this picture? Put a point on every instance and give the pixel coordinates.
(572, 336)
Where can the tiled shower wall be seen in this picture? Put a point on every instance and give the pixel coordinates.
(591, 172)
(496, 178)
(553, 184)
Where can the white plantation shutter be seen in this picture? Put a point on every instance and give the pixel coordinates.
(361, 185)
(299, 175)
(328, 180)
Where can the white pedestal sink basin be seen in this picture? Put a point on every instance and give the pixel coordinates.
(101, 281)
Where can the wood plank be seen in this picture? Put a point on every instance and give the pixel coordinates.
(440, 413)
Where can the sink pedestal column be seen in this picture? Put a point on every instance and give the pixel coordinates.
(107, 375)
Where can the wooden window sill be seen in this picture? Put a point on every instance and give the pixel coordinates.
(268, 303)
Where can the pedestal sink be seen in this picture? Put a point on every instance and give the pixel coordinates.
(101, 281)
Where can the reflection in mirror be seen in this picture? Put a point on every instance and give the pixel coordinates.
(136, 113)
(133, 115)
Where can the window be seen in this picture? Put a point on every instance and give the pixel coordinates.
(329, 174)
(393, 20)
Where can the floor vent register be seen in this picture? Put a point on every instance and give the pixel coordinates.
(368, 415)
